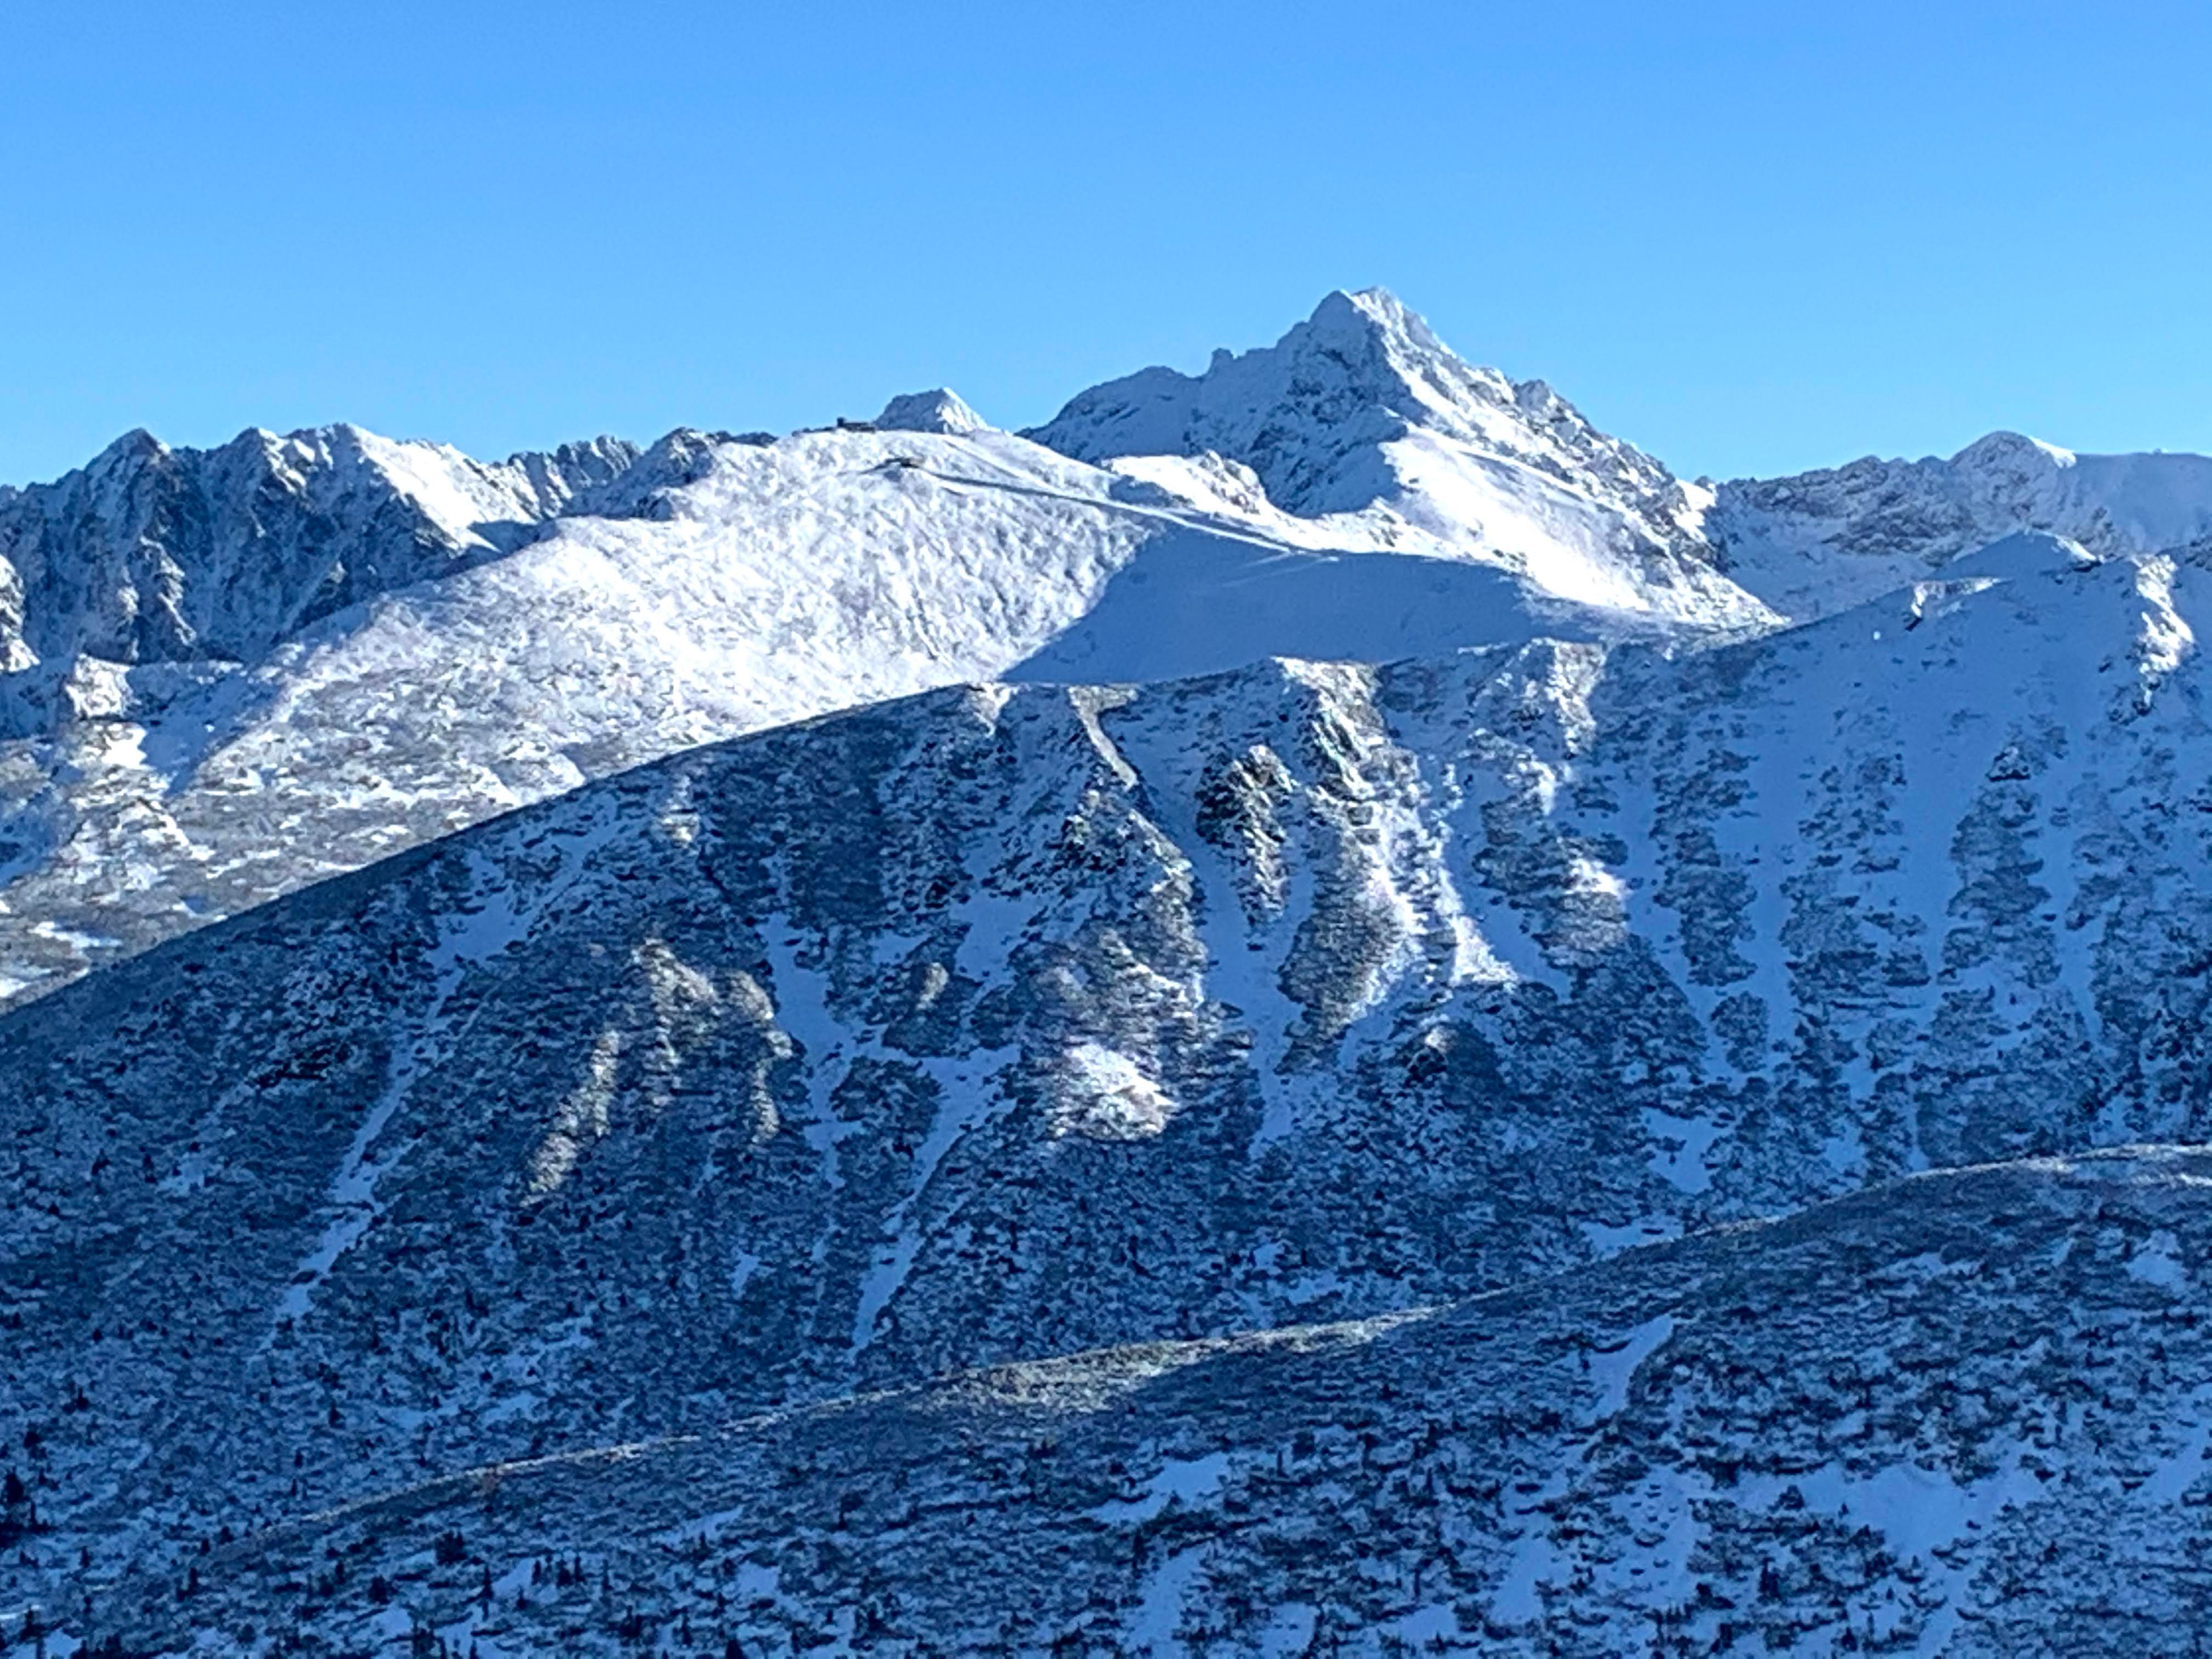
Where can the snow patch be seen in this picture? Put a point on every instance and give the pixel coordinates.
(1105, 1095)
(2159, 1262)
(1187, 1482)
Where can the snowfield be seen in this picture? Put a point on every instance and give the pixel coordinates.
(239, 670)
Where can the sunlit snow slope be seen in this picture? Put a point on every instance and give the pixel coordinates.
(1361, 415)
(235, 671)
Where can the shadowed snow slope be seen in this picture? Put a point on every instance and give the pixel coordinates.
(1006, 1022)
(1188, 603)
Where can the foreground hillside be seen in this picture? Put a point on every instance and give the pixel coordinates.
(1963, 1414)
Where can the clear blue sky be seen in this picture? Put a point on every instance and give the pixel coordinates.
(1751, 237)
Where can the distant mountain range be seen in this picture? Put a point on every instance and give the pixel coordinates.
(233, 671)
(1312, 1009)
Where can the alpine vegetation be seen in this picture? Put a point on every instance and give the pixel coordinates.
(1310, 1010)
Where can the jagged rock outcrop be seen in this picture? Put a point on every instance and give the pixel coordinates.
(151, 557)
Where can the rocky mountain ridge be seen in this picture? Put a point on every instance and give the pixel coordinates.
(1810, 542)
(199, 710)
(154, 555)
(206, 649)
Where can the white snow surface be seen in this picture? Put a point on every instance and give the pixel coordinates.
(941, 409)
(511, 645)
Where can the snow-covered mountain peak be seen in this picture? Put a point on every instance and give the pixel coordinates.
(1361, 416)
(1819, 541)
(941, 410)
(1362, 371)
(135, 447)
(1996, 450)
(1409, 365)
